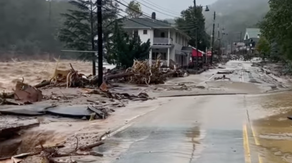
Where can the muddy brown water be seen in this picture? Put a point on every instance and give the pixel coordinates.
(274, 132)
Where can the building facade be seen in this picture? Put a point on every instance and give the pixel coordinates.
(166, 41)
(251, 37)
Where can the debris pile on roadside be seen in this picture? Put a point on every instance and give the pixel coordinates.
(140, 73)
(143, 73)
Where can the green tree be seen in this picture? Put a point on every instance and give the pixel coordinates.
(191, 20)
(30, 32)
(134, 9)
(81, 23)
(236, 16)
(277, 29)
(263, 47)
(127, 48)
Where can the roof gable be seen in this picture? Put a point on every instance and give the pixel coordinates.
(253, 32)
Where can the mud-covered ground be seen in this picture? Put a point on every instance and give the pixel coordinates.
(243, 79)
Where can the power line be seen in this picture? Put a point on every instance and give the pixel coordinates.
(127, 6)
(167, 14)
(159, 7)
(125, 17)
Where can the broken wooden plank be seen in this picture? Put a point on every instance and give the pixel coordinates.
(99, 113)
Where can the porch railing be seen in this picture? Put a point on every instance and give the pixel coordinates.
(161, 41)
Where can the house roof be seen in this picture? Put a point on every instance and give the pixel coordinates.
(147, 23)
(253, 32)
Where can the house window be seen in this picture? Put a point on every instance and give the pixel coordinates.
(145, 32)
(162, 34)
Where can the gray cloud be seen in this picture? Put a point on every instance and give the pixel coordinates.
(167, 8)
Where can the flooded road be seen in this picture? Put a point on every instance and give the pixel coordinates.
(272, 131)
(240, 128)
(200, 129)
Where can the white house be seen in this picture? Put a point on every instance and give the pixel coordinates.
(251, 37)
(165, 39)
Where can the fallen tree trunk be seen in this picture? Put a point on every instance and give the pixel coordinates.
(168, 74)
(94, 81)
(121, 75)
(43, 83)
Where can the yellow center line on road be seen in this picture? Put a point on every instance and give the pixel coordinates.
(256, 142)
(246, 145)
(254, 136)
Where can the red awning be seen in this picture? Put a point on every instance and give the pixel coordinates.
(194, 53)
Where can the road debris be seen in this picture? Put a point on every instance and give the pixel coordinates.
(140, 73)
(26, 93)
(223, 77)
(23, 94)
(180, 86)
(120, 96)
(225, 72)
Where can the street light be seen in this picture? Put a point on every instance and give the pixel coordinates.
(197, 36)
(213, 34)
(207, 9)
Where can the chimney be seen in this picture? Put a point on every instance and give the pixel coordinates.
(153, 15)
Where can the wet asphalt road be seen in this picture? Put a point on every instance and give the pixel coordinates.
(191, 130)
(207, 129)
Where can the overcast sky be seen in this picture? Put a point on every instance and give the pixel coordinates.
(167, 8)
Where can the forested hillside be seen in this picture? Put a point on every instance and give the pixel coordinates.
(236, 15)
(30, 26)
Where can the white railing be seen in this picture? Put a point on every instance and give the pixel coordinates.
(161, 41)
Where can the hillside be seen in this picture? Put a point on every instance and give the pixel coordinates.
(236, 15)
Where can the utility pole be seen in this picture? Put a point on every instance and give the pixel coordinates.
(197, 35)
(92, 40)
(213, 37)
(219, 39)
(100, 40)
(50, 11)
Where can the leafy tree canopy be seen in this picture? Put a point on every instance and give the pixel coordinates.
(29, 27)
(80, 26)
(235, 16)
(277, 29)
(192, 22)
(127, 48)
(134, 9)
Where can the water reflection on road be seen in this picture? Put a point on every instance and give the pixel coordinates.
(272, 129)
(208, 129)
